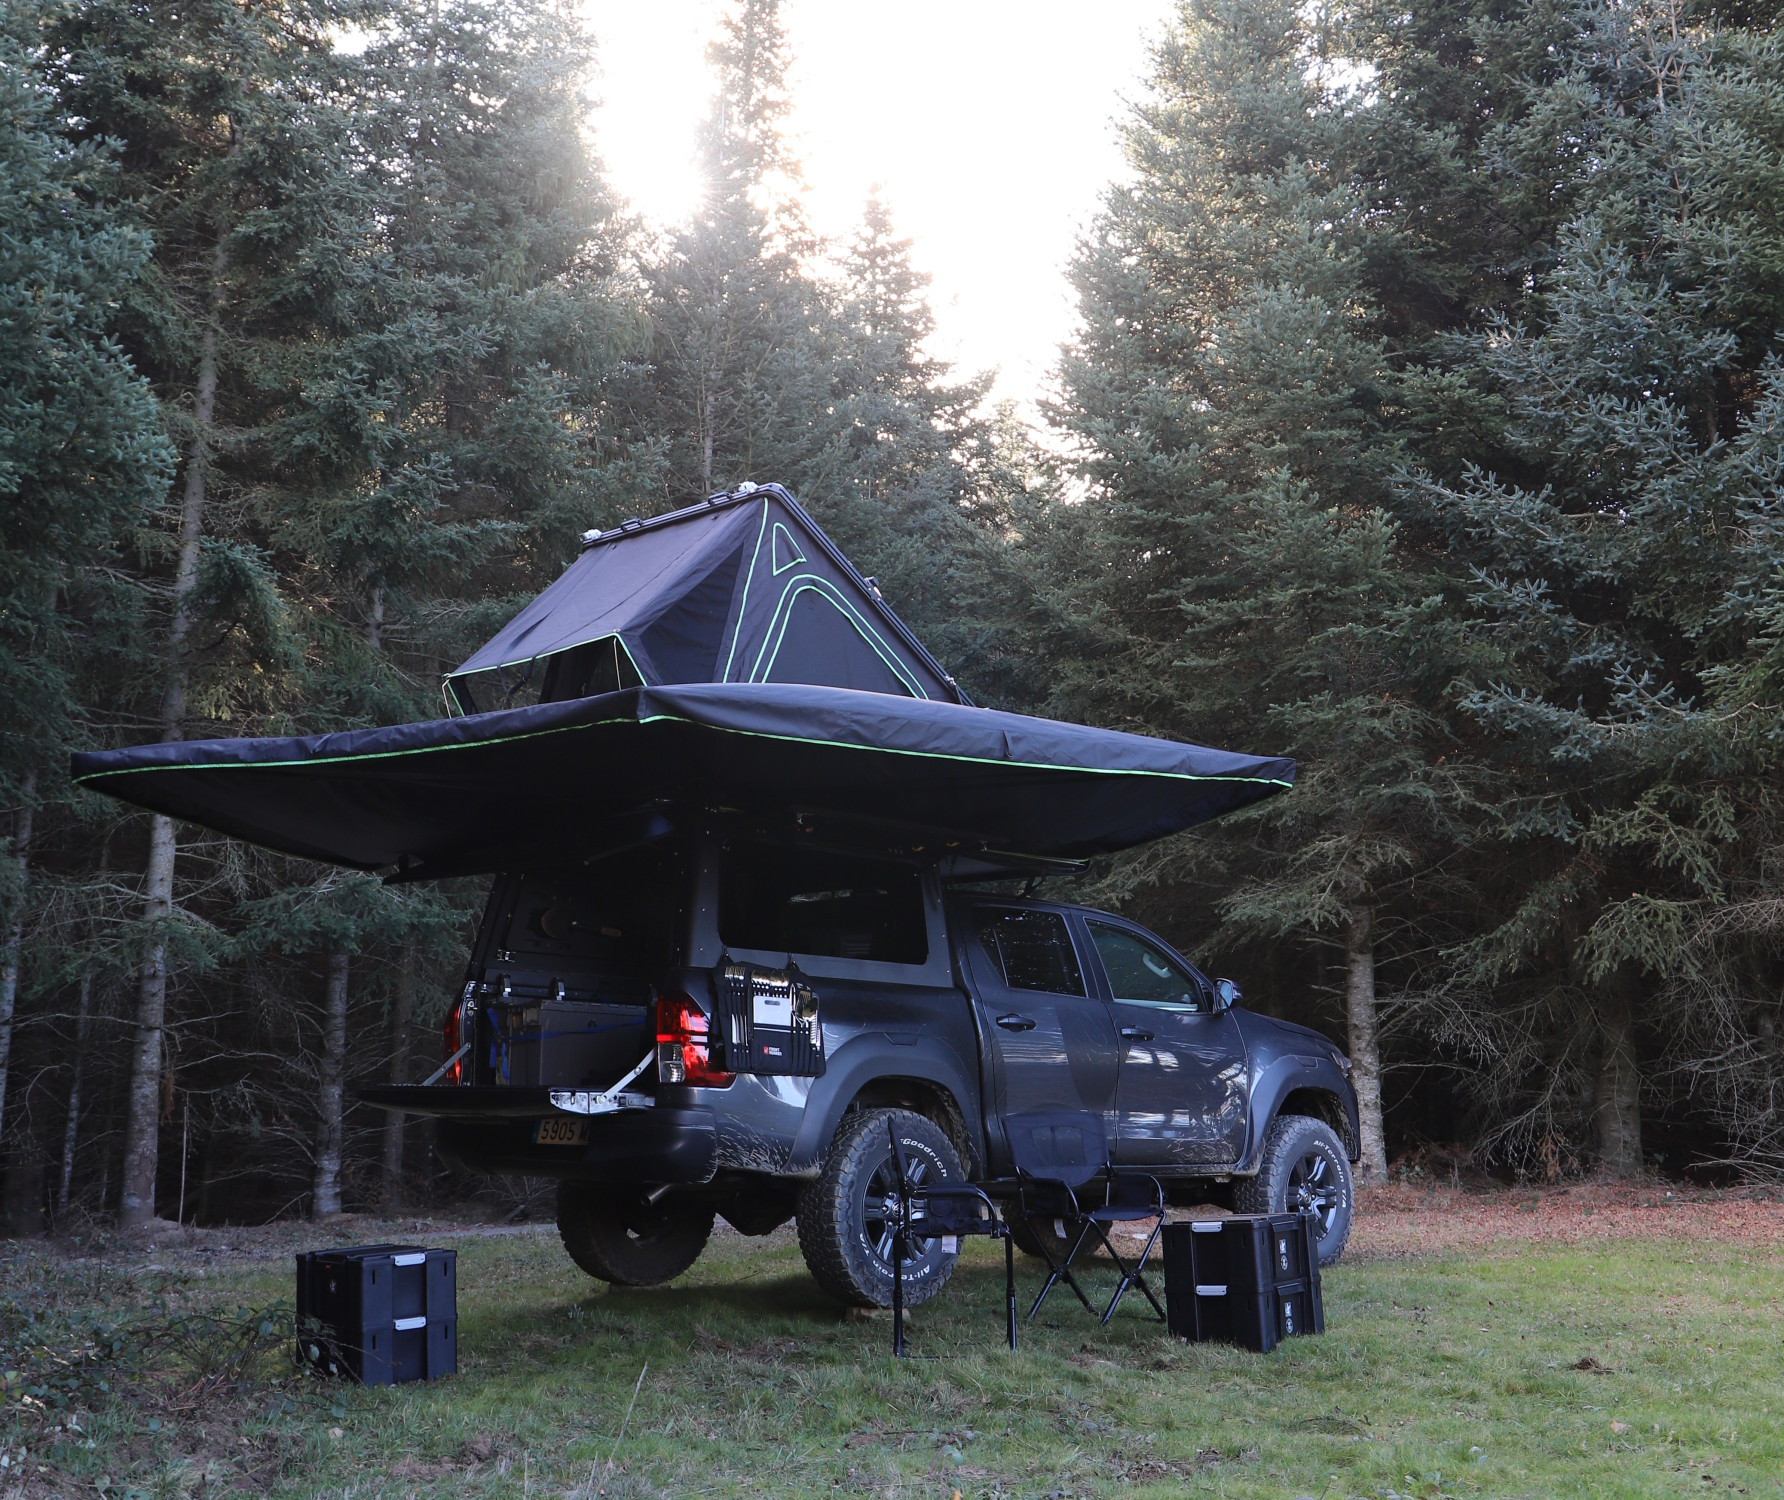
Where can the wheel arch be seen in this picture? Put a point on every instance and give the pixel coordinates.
(923, 1077)
(1301, 1085)
(1323, 1104)
(922, 1096)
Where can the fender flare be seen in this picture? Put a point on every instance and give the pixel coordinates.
(1289, 1075)
(871, 1059)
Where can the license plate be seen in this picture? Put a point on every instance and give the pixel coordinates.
(561, 1132)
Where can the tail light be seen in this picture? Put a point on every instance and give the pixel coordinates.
(456, 1031)
(683, 1044)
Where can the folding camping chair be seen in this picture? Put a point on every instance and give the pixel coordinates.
(942, 1208)
(1060, 1159)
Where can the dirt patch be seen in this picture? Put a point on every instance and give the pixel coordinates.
(1397, 1220)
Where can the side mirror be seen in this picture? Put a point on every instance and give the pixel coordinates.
(1227, 993)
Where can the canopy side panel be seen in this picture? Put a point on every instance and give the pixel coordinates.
(808, 616)
(620, 588)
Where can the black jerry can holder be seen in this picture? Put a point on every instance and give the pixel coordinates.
(1250, 1280)
(378, 1314)
(768, 1021)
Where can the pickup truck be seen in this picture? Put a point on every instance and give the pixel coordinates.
(720, 1023)
(758, 847)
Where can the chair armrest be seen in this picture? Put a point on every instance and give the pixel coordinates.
(1129, 1190)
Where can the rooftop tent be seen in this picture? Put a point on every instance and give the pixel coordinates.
(979, 789)
(742, 588)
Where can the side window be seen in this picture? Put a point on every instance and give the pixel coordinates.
(826, 905)
(1140, 971)
(1033, 949)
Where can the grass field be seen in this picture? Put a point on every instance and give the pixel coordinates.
(1623, 1363)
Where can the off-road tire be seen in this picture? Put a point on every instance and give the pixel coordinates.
(1299, 1141)
(834, 1211)
(616, 1234)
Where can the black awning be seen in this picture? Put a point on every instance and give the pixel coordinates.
(492, 790)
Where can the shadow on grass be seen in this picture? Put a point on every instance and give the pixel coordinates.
(768, 1307)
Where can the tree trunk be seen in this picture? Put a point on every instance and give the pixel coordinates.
(327, 1198)
(1617, 1110)
(402, 1013)
(1365, 1045)
(15, 933)
(142, 1128)
(83, 1024)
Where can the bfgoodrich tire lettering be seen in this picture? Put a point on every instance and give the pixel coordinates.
(1303, 1165)
(619, 1235)
(844, 1230)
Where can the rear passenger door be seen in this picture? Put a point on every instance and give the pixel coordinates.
(1050, 1034)
(1182, 1095)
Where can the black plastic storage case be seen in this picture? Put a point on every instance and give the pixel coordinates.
(1248, 1280)
(389, 1313)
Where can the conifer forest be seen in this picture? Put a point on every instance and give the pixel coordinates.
(1424, 422)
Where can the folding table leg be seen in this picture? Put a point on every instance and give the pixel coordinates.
(1135, 1277)
(1140, 1269)
(1063, 1272)
(1010, 1284)
(898, 1293)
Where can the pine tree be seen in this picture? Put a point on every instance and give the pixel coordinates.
(82, 455)
(1618, 573)
(1237, 574)
(237, 164)
(384, 321)
(447, 439)
(914, 445)
(739, 366)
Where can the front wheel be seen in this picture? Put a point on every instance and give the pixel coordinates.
(846, 1216)
(617, 1234)
(1303, 1169)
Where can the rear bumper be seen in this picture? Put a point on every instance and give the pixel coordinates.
(447, 1101)
(637, 1145)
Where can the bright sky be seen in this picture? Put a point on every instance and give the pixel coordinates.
(987, 124)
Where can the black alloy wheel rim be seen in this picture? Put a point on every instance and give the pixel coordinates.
(880, 1214)
(1313, 1186)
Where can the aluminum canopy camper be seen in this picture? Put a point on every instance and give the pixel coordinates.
(745, 587)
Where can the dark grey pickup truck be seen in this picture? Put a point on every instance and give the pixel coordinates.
(719, 1024)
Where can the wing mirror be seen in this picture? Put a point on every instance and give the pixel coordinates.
(1227, 993)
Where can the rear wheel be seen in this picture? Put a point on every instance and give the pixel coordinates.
(618, 1235)
(845, 1217)
(1303, 1169)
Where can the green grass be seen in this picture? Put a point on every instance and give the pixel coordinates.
(1454, 1375)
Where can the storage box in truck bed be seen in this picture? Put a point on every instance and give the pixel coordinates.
(559, 990)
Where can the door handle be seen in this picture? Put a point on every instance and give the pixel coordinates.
(1013, 1022)
(1134, 1034)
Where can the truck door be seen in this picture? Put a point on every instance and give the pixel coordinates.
(1181, 1098)
(1051, 1036)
